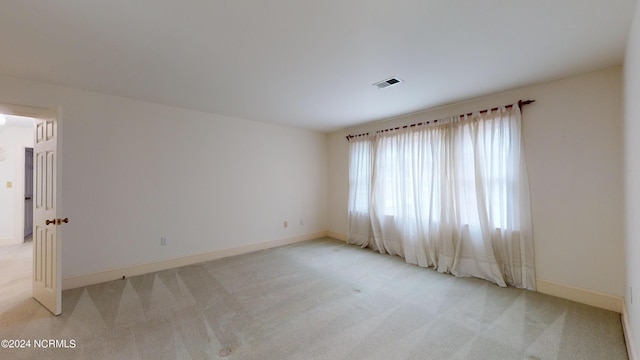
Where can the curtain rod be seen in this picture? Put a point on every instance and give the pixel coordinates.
(521, 103)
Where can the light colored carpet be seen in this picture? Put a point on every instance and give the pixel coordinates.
(318, 299)
(15, 274)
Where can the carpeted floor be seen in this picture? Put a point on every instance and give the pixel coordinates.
(15, 275)
(318, 299)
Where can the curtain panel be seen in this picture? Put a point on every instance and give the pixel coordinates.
(452, 196)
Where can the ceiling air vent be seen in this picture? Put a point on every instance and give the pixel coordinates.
(386, 83)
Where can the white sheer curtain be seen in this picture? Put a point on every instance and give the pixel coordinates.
(454, 197)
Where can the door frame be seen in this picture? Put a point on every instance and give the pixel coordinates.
(24, 189)
(37, 113)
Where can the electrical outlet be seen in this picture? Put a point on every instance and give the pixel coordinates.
(285, 224)
(301, 222)
(163, 241)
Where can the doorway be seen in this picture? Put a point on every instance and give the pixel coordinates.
(28, 194)
(16, 170)
(43, 280)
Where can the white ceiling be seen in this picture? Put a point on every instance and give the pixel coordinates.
(308, 64)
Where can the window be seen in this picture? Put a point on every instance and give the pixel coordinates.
(433, 191)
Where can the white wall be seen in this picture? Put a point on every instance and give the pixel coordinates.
(13, 139)
(632, 180)
(133, 172)
(572, 137)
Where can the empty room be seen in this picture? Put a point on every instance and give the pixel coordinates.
(326, 180)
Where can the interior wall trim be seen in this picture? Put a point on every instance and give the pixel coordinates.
(8, 241)
(73, 282)
(588, 297)
(584, 296)
(337, 236)
(628, 336)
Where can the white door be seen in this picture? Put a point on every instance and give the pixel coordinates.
(47, 245)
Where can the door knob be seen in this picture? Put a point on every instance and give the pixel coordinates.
(57, 221)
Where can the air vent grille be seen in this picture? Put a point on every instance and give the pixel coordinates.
(388, 82)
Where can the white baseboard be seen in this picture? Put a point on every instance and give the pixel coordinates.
(134, 270)
(337, 236)
(8, 241)
(628, 338)
(604, 301)
(588, 297)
